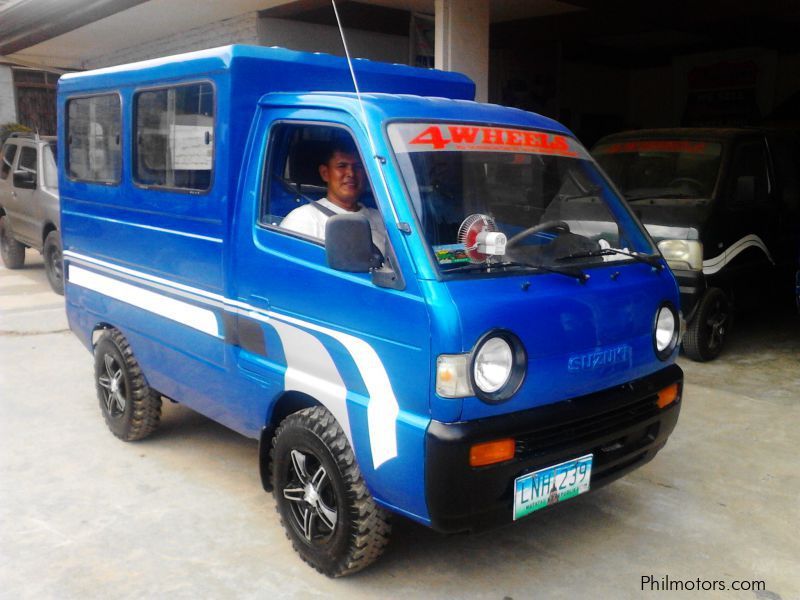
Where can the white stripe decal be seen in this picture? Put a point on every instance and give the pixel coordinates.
(144, 276)
(382, 410)
(193, 316)
(311, 370)
(713, 265)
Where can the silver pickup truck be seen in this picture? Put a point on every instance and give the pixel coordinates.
(29, 215)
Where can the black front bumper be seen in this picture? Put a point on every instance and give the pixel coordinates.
(622, 427)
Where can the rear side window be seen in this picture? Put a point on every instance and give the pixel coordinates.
(93, 139)
(173, 137)
(27, 159)
(8, 159)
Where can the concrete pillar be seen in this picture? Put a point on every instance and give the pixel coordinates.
(8, 106)
(462, 40)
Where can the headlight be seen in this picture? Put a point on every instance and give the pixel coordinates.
(682, 254)
(492, 366)
(666, 331)
(498, 366)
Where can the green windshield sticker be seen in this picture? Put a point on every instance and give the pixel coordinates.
(451, 254)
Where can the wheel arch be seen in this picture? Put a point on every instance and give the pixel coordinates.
(98, 330)
(49, 226)
(288, 403)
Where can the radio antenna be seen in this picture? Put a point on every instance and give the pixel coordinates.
(375, 154)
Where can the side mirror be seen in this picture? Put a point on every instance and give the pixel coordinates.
(25, 180)
(348, 244)
(745, 191)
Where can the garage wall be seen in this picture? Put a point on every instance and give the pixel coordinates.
(594, 99)
(311, 37)
(237, 30)
(8, 111)
(786, 80)
(651, 101)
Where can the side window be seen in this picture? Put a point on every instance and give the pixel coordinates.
(749, 179)
(93, 139)
(786, 157)
(174, 137)
(308, 163)
(7, 160)
(27, 159)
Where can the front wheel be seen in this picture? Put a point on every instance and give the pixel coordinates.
(325, 506)
(12, 251)
(711, 325)
(53, 262)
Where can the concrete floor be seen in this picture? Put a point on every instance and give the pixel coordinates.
(182, 514)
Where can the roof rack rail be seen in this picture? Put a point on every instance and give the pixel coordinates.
(22, 134)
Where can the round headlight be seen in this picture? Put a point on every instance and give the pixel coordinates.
(492, 366)
(666, 331)
(497, 366)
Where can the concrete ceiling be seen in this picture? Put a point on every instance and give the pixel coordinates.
(64, 33)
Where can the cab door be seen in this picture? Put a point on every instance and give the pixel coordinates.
(361, 350)
(24, 181)
(743, 238)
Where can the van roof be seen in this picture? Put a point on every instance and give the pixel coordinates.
(275, 69)
(385, 107)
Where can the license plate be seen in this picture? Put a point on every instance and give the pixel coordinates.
(551, 485)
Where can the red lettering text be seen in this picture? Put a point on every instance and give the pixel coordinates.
(433, 136)
(463, 135)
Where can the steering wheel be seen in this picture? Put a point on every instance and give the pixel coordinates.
(687, 181)
(559, 226)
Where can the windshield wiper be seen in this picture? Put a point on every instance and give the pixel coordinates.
(654, 260)
(667, 196)
(487, 266)
(567, 271)
(590, 192)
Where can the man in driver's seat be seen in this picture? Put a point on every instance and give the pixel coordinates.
(343, 173)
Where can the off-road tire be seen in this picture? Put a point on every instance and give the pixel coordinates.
(706, 334)
(362, 527)
(53, 262)
(141, 412)
(12, 251)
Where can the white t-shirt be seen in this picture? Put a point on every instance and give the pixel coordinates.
(311, 221)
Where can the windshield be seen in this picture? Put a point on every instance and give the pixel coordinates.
(540, 190)
(661, 168)
(49, 161)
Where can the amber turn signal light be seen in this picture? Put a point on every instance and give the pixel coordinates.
(668, 395)
(489, 453)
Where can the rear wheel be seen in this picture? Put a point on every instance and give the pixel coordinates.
(710, 327)
(12, 251)
(130, 408)
(325, 506)
(53, 262)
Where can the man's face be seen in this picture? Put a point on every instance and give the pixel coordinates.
(344, 175)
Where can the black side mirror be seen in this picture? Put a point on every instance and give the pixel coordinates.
(25, 180)
(348, 244)
(745, 191)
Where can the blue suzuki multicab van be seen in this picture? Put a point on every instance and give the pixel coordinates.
(511, 346)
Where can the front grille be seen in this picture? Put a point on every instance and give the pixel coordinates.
(551, 438)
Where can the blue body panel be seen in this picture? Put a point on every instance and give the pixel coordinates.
(185, 275)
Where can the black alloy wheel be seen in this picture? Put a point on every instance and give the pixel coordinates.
(710, 327)
(130, 407)
(54, 262)
(326, 509)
